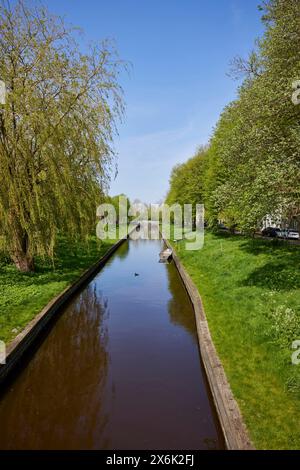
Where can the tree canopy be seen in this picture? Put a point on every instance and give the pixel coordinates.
(252, 165)
(56, 130)
(186, 181)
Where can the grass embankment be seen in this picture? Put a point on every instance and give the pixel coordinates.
(251, 294)
(22, 296)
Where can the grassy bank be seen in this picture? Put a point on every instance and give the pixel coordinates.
(22, 296)
(251, 294)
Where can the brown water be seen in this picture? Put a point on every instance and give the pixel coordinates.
(120, 369)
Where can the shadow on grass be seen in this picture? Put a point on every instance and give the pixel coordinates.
(69, 261)
(273, 247)
(280, 271)
(273, 276)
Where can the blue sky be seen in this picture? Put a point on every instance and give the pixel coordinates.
(180, 52)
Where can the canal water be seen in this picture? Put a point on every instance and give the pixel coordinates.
(120, 369)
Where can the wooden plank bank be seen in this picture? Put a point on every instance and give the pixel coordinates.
(21, 344)
(234, 429)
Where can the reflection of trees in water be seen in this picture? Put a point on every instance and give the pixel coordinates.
(122, 251)
(154, 232)
(179, 307)
(147, 231)
(58, 402)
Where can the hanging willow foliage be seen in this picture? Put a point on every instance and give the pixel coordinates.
(56, 130)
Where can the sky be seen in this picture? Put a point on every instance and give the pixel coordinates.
(180, 53)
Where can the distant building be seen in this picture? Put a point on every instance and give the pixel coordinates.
(281, 221)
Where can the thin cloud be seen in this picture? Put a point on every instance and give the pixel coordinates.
(154, 155)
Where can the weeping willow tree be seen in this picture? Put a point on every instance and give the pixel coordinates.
(56, 130)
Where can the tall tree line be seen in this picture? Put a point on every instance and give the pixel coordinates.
(56, 130)
(251, 167)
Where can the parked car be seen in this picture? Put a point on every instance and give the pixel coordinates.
(271, 232)
(280, 233)
(294, 235)
(290, 234)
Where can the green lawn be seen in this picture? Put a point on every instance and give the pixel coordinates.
(22, 296)
(251, 294)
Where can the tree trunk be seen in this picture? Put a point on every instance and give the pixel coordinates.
(20, 254)
(23, 262)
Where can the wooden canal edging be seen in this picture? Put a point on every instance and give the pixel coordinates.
(20, 345)
(230, 418)
(234, 429)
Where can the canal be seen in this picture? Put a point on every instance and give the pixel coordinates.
(120, 369)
